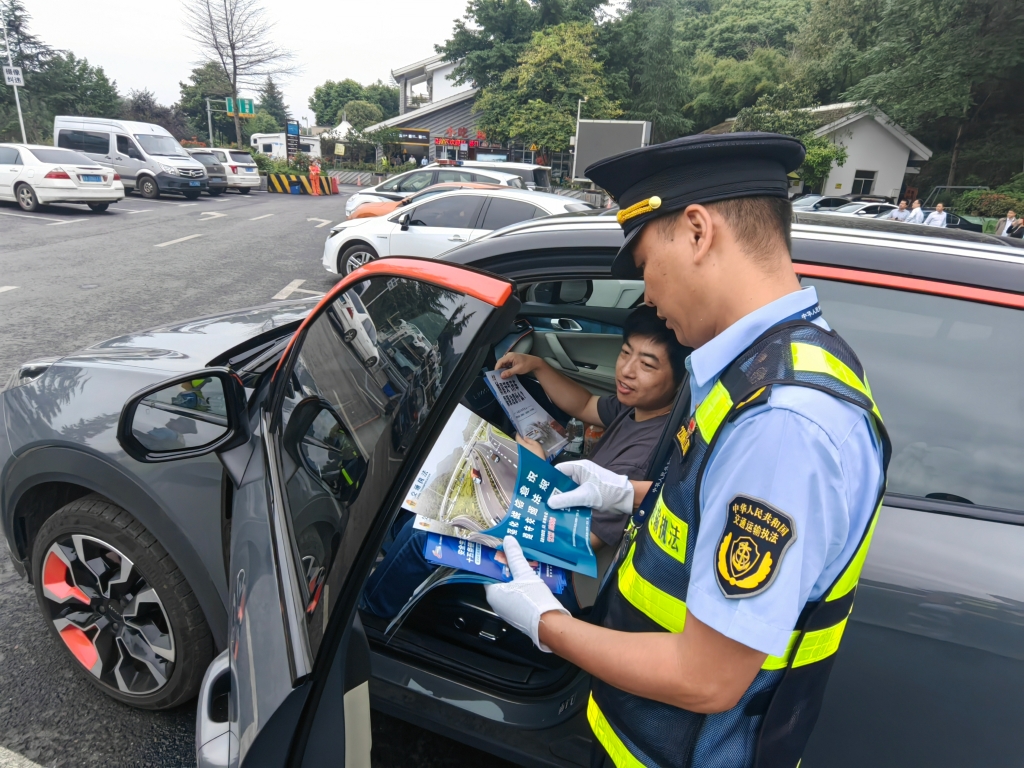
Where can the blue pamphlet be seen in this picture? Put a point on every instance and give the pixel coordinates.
(484, 561)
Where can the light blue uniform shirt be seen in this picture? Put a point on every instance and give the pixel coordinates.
(809, 454)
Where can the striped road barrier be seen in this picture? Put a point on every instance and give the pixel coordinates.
(290, 183)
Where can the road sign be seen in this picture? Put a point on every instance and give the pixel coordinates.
(246, 107)
(12, 76)
(292, 138)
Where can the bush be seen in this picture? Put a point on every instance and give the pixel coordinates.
(1014, 186)
(984, 202)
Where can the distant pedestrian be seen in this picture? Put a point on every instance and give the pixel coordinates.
(1005, 224)
(916, 214)
(1018, 230)
(901, 213)
(423, 162)
(936, 218)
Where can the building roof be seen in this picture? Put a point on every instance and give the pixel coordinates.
(834, 117)
(419, 67)
(415, 116)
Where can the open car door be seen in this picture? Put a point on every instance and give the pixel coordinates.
(320, 458)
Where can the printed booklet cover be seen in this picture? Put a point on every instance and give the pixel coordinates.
(485, 561)
(525, 413)
(478, 484)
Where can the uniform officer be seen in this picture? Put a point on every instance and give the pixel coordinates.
(715, 633)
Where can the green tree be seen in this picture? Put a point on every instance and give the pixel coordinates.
(205, 81)
(328, 99)
(384, 96)
(945, 64)
(536, 100)
(723, 86)
(738, 28)
(143, 107)
(787, 111)
(263, 122)
(271, 100)
(360, 114)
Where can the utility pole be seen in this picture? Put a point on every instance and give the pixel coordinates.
(209, 119)
(10, 63)
(576, 147)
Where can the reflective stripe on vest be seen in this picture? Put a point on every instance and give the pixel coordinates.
(617, 751)
(666, 610)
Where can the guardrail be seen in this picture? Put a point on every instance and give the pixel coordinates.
(290, 183)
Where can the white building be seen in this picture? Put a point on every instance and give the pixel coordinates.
(879, 153)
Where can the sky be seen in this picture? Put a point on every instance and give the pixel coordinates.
(145, 45)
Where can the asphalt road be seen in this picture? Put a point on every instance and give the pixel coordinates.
(70, 278)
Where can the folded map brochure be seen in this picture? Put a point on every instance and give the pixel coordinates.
(484, 561)
(478, 484)
(525, 413)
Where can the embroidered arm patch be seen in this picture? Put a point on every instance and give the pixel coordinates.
(755, 538)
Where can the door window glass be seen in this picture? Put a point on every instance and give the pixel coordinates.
(502, 212)
(414, 182)
(454, 176)
(456, 212)
(9, 156)
(127, 147)
(946, 375)
(84, 141)
(356, 402)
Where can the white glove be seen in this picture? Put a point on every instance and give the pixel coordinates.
(522, 601)
(601, 490)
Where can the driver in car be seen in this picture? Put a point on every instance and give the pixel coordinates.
(648, 372)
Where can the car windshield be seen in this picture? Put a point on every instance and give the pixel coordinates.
(61, 156)
(166, 146)
(849, 208)
(206, 158)
(242, 157)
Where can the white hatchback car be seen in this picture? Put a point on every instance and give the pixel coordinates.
(35, 175)
(437, 224)
(358, 328)
(404, 184)
(240, 168)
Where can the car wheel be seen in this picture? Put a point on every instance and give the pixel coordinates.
(99, 207)
(244, 190)
(349, 335)
(148, 188)
(215, 192)
(192, 195)
(355, 257)
(119, 605)
(26, 197)
(371, 362)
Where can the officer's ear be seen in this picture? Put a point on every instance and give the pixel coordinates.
(697, 225)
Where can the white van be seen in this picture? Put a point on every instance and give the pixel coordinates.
(147, 157)
(273, 144)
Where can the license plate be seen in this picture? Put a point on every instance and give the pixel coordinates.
(92, 177)
(193, 183)
(249, 170)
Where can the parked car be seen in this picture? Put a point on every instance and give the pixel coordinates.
(35, 175)
(861, 209)
(242, 172)
(147, 157)
(818, 202)
(357, 327)
(430, 227)
(384, 207)
(405, 184)
(259, 553)
(534, 176)
(216, 174)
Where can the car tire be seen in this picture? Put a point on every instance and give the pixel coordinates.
(349, 335)
(371, 362)
(99, 207)
(355, 256)
(148, 188)
(215, 192)
(192, 195)
(26, 197)
(170, 643)
(244, 190)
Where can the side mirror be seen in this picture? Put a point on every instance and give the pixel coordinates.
(403, 220)
(188, 416)
(316, 439)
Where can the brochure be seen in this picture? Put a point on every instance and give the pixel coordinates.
(484, 561)
(478, 484)
(529, 418)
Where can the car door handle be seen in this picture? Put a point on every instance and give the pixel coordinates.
(565, 324)
(457, 239)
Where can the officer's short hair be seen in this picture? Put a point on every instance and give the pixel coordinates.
(645, 323)
(760, 224)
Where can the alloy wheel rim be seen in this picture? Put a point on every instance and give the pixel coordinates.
(357, 260)
(108, 615)
(25, 197)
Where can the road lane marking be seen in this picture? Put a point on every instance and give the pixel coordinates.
(293, 287)
(26, 216)
(141, 210)
(264, 216)
(325, 222)
(4, 288)
(179, 240)
(211, 215)
(182, 205)
(67, 221)
(9, 759)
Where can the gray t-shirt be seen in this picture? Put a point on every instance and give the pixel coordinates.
(626, 448)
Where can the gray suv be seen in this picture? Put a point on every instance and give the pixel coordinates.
(212, 497)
